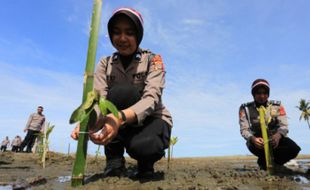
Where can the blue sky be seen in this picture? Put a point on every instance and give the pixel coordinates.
(212, 50)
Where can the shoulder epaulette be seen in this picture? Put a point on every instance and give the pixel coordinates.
(146, 51)
(246, 104)
(275, 102)
(115, 56)
(107, 61)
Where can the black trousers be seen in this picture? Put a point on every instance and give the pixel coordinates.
(146, 143)
(286, 150)
(3, 148)
(15, 148)
(29, 140)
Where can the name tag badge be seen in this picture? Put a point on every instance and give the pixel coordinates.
(139, 76)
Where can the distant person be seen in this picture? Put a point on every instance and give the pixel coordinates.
(5, 143)
(284, 149)
(33, 127)
(133, 79)
(16, 142)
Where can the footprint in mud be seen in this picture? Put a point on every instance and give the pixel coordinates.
(6, 159)
(4, 163)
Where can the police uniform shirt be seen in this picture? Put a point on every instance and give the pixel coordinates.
(35, 122)
(249, 118)
(16, 141)
(5, 142)
(146, 72)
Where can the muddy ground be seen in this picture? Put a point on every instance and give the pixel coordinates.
(24, 171)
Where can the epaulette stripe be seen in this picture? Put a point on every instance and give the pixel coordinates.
(146, 51)
(246, 104)
(114, 56)
(275, 102)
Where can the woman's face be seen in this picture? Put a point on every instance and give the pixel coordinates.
(261, 95)
(124, 36)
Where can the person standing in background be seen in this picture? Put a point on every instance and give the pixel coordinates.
(33, 127)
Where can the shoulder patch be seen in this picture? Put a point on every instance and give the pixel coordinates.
(282, 111)
(246, 104)
(146, 51)
(114, 56)
(157, 63)
(241, 113)
(275, 102)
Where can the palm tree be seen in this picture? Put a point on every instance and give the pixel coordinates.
(304, 107)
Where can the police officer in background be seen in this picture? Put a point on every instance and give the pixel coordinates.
(284, 149)
(4, 144)
(33, 127)
(16, 142)
(133, 79)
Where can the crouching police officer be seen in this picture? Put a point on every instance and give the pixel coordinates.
(284, 149)
(133, 79)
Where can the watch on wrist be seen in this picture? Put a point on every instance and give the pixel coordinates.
(123, 116)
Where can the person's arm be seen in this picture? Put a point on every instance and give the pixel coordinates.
(155, 82)
(282, 118)
(100, 78)
(28, 123)
(245, 131)
(101, 86)
(283, 129)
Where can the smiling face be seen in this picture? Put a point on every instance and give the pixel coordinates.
(261, 95)
(124, 36)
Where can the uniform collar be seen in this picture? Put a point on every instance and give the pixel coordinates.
(137, 56)
(258, 105)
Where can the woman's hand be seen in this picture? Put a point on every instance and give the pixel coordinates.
(258, 142)
(91, 129)
(108, 132)
(75, 132)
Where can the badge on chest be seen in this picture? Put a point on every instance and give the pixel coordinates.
(139, 76)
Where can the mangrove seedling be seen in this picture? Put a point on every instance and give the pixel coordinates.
(80, 158)
(266, 134)
(43, 146)
(173, 141)
(85, 114)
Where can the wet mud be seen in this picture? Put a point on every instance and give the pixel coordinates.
(24, 171)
